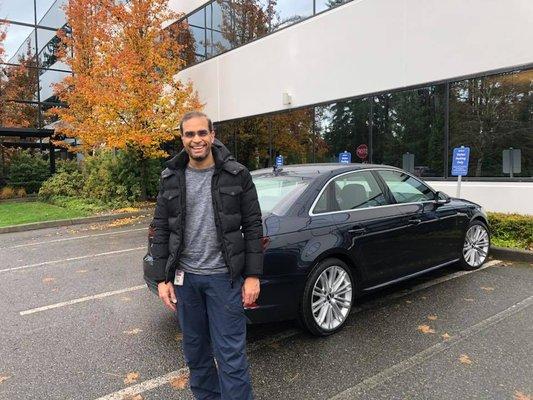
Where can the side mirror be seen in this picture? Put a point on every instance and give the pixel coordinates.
(442, 198)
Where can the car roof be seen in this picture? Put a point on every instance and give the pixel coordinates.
(314, 170)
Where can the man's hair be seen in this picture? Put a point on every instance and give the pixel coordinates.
(196, 114)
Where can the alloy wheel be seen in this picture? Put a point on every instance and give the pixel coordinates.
(476, 245)
(332, 297)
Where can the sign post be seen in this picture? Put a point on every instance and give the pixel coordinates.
(345, 157)
(461, 156)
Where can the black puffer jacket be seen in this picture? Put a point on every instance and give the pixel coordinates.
(236, 209)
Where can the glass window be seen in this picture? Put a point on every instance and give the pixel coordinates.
(288, 12)
(199, 42)
(322, 5)
(19, 43)
(491, 114)
(250, 19)
(18, 11)
(50, 13)
(350, 192)
(405, 188)
(197, 19)
(410, 121)
(342, 126)
(276, 193)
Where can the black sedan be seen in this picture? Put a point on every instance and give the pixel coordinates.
(335, 231)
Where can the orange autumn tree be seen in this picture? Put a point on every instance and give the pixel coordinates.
(122, 93)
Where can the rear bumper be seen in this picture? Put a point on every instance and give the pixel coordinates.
(278, 299)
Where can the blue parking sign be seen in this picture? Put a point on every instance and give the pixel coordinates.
(279, 161)
(345, 157)
(460, 159)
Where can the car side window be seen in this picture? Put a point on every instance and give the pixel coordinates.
(405, 188)
(349, 192)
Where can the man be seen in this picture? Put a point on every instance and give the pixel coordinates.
(207, 254)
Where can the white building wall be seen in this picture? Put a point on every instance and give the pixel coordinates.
(362, 47)
(507, 197)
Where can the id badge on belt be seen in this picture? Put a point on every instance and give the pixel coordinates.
(179, 277)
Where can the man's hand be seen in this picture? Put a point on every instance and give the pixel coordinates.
(250, 290)
(166, 294)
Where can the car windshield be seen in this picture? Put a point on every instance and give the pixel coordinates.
(277, 193)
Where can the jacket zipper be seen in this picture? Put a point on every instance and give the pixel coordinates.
(217, 223)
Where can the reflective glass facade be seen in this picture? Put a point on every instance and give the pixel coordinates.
(222, 25)
(487, 113)
(29, 67)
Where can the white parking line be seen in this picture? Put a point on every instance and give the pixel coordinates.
(387, 374)
(165, 379)
(144, 386)
(72, 259)
(82, 299)
(73, 238)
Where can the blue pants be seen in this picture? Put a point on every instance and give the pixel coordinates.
(211, 316)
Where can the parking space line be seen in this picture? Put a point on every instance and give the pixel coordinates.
(72, 238)
(72, 259)
(419, 358)
(144, 386)
(82, 299)
(255, 346)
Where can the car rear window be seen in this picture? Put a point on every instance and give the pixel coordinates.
(277, 193)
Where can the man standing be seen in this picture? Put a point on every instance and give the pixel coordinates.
(207, 254)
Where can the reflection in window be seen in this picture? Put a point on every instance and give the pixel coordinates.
(490, 114)
(343, 126)
(18, 11)
(322, 5)
(412, 122)
(288, 12)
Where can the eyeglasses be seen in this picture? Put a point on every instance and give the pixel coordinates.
(201, 133)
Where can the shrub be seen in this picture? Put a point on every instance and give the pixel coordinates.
(7, 192)
(28, 171)
(512, 230)
(62, 184)
(21, 192)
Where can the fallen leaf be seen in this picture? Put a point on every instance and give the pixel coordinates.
(55, 289)
(82, 271)
(180, 381)
(423, 297)
(134, 331)
(432, 317)
(131, 377)
(522, 396)
(465, 359)
(408, 301)
(467, 299)
(445, 336)
(133, 397)
(4, 378)
(294, 377)
(125, 298)
(178, 337)
(274, 345)
(48, 279)
(425, 329)
(487, 289)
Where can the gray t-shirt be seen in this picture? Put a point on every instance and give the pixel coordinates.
(201, 248)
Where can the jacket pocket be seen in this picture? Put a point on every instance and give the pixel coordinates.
(170, 194)
(231, 190)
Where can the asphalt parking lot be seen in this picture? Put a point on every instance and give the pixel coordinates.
(77, 322)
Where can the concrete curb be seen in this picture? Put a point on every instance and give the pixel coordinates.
(503, 253)
(74, 221)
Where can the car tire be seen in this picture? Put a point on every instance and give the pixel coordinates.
(327, 297)
(476, 246)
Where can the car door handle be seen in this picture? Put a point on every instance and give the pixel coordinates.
(357, 231)
(414, 221)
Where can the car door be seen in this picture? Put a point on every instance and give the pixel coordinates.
(371, 230)
(433, 231)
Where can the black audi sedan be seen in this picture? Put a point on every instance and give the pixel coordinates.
(335, 231)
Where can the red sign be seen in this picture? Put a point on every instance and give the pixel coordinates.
(362, 151)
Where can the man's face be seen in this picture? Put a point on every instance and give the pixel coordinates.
(197, 139)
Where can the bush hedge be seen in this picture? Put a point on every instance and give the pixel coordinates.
(106, 178)
(27, 171)
(511, 230)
